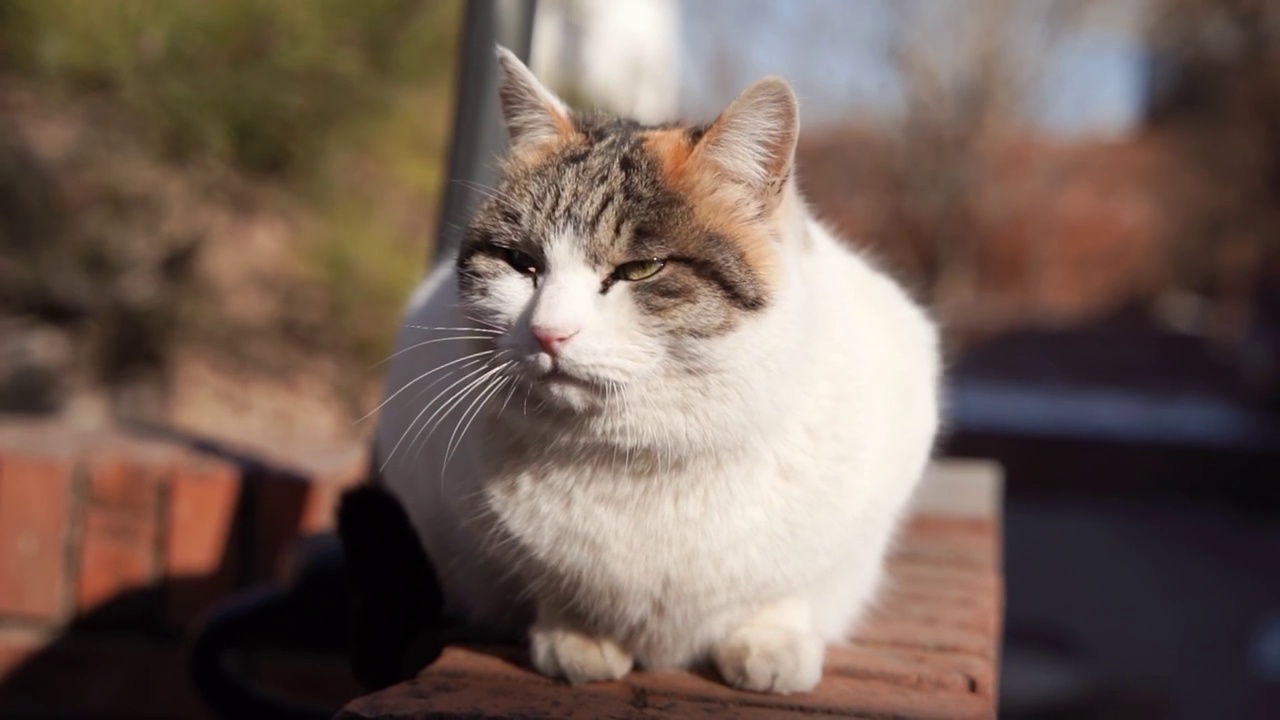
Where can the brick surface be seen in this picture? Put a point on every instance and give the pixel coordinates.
(120, 481)
(291, 506)
(318, 514)
(929, 649)
(35, 504)
(322, 680)
(281, 500)
(88, 517)
(200, 555)
(17, 646)
(118, 555)
(119, 551)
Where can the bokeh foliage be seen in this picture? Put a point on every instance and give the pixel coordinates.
(337, 109)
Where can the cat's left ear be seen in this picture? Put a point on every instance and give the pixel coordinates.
(531, 112)
(753, 142)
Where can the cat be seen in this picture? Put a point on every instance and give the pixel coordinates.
(652, 413)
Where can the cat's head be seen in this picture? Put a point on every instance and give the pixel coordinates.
(612, 253)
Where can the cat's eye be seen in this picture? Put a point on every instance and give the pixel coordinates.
(638, 270)
(522, 262)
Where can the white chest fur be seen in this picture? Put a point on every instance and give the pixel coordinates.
(792, 496)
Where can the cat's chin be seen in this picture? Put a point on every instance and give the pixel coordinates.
(566, 391)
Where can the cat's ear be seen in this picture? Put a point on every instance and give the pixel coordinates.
(753, 142)
(531, 112)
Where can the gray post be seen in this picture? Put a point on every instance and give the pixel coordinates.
(478, 135)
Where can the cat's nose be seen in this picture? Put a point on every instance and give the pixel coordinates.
(552, 339)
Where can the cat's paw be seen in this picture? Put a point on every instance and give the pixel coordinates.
(559, 652)
(770, 658)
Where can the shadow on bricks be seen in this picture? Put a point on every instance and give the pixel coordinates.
(118, 547)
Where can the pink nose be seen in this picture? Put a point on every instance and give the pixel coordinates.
(552, 340)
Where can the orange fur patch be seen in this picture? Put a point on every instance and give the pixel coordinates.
(531, 155)
(718, 205)
(672, 149)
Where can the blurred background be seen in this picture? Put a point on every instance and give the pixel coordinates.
(211, 214)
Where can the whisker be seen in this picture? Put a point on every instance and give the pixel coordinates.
(451, 374)
(434, 370)
(478, 404)
(415, 346)
(461, 329)
(423, 412)
(514, 385)
(486, 190)
(447, 407)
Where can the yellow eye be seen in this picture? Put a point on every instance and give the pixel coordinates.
(638, 270)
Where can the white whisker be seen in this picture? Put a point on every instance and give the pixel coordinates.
(478, 404)
(415, 346)
(423, 412)
(448, 406)
(432, 371)
(487, 191)
(514, 385)
(458, 329)
(451, 374)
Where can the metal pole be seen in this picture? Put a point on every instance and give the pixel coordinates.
(478, 135)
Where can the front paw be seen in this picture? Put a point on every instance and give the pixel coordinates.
(770, 658)
(559, 652)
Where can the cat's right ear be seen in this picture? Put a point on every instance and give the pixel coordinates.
(531, 112)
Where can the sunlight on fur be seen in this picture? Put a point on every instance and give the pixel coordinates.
(653, 413)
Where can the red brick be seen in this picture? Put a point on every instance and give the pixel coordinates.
(448, 697)
(16, 647)
(120, 534)
(318, 679)
(35, 508)
(119, 554)
(290, 507)
(883, 682)
(978, 617)
(318, 515)
(921, 670)
(940, 594)
(327, 487)
(906, 634)
(960, 550)
(119, 481)
(834, 695)
(199, 555)
(502, 662)
(942, 581)
(278, 515)
(927, 525)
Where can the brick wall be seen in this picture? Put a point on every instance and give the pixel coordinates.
(113, 542)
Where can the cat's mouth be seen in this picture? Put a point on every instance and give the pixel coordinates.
(558, 381)
(559, 376)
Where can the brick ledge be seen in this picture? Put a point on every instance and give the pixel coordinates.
(930, 650)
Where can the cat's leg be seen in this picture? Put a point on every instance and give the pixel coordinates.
(559, 650)
(775, 650)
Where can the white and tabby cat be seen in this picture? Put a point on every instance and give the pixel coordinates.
(653, 411)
